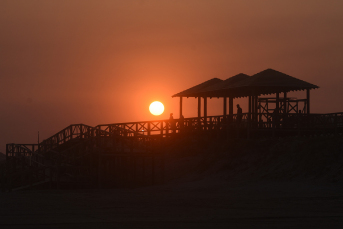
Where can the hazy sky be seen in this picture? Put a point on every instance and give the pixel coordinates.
(96, 62)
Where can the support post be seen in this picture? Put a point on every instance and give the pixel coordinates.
(253, 109)
(230, 109)
(277, 109)
(205, 113)
(224, 107)
(285, 103)
(308, 100)
(249, 110)
(277, 102)
(205, 107)
(256, 108)
(199, 107)
(180, 107)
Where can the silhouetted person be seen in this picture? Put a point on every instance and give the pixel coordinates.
(239, 114)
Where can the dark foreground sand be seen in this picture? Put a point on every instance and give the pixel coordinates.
(199, 204)
(287, 183)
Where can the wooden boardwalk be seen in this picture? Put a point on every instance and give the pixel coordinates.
(121, 154)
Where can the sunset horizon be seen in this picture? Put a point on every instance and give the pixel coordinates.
(82, 62)
(171, 114)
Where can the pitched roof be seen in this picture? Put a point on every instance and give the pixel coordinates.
(271, 81)
(268, 81)
(190, 92)
(273, 78)
(224, 88)
(211, 86)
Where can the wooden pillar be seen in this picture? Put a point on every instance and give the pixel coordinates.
(253, 108)
(308, 100)
(224, 107)
(249, 109)
(205, 112)
(277, 102)
(256, 108)
(180, 107)
(277, 108)
(231, 109)
(199, 107)
(285, 111)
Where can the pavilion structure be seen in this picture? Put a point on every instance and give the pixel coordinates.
(255, 88)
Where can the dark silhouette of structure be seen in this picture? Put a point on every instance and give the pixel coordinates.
(131, 154)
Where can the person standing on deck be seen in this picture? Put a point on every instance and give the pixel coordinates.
(239, 114)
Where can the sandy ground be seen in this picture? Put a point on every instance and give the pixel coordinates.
(206, 203)
(286, 183)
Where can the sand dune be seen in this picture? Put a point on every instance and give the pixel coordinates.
(278, 183)
(285, 159)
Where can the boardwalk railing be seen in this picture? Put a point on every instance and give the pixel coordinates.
(77, 150)
(167, 126)
(140, 134)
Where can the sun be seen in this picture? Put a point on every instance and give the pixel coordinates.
(156, 108)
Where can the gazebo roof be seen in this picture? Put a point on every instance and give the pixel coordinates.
(273, 78)
(190, 92)
(268, 81)
(211, 86)
(223, 88)
(228, 83)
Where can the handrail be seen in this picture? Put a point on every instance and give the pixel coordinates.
(145, 131)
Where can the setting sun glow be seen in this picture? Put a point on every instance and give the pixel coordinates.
(156, 108)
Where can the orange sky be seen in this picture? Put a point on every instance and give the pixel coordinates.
(67, 62)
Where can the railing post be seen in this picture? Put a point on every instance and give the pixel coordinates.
(205, 113)
(71, 132)
(161, 128)
(336, 124)
(167, 127)
(81, 131)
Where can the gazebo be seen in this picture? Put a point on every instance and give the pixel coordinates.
(265, 82)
